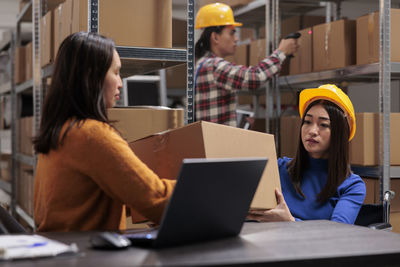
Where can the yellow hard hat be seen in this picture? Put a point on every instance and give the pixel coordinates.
(216, 14)
(331, 93)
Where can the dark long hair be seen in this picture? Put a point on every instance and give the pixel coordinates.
(338, 156)
(76, 90)
(203, 44)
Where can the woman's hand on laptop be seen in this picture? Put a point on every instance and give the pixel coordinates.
(280, 213)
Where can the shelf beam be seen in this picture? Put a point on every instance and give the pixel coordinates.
(28, 219)
(29, 160)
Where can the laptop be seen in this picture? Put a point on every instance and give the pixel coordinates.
(211, 200)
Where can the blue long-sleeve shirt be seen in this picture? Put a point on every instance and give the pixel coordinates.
(342, 207)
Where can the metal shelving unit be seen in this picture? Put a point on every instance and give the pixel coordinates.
(135, 60)
(384, 71)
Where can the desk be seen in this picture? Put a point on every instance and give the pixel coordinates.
(308, 243)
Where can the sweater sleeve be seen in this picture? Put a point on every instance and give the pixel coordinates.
(238, 77)
(99, 152)
(351, 197)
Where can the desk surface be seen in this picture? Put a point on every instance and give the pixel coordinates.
(310, 243)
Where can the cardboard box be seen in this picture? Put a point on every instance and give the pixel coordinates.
(247, 34)
(25, 135)
(138, 23)
(303, 59)
(373, 192)
(25, 185)
(179, 33)
(231, 3)
(395, 221)
(295, 23)
(364, 148)
(334, 45)
(258, 53)
(19, 65)
(5, 167)
(176, 77)
(164, 152)
(46, 39)
(241, 55)
(289, 135)
(29, 61)
(368, 37)
(138, 122)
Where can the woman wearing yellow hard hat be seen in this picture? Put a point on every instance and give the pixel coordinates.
(318, 182)
(216, 79)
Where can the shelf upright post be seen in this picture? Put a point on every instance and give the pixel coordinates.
(384, 99)
(162, 85)
(37, 80)
(268, 91)
(190, 85)
(13, 45)
(276, 117)
(93, 16)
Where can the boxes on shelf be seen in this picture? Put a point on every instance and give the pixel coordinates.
(128, 23)
(5, 111)
(5, 167)
(368, 37)
(19, 65)
(231, 3)
(334, 45)
(289, 134)
(364, 148)
(46, 39)
(295, 23)
(257, 53)
(164, 152)
(25, 135)
(247, 34)
(179, 33)
(373, 192)
(138, 122)
(303, 59)
(241, 56)
(176, 77)
(29, 61)
(25, 185)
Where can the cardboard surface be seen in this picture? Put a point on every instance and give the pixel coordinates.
(29, 61)
(303, 59)
(19, 65)
(46, 39)
(231, 3)
(138, 122)
(176, 77)
(257, 51)
(139, 23)
(164, 152)
(25, 135)
(289, 134)
(368, 37)
(334, 45)
(179, 33)
(364, 148)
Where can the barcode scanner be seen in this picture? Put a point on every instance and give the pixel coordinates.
(293, 35)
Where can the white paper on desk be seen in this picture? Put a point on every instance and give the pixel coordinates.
(26, 246)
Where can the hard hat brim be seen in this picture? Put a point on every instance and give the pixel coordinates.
(236, 24)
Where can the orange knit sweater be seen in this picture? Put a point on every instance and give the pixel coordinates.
(83, 184)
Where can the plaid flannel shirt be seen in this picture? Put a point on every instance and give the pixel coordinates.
(218, 79)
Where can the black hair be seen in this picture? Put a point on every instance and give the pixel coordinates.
(203, 44)
(76, 90)
(338, 156)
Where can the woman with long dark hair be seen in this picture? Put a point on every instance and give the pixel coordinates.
(217, 80)
(86, 173)
(318, 182)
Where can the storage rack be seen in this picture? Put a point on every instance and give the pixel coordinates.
(383, 72)
(135, 60)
